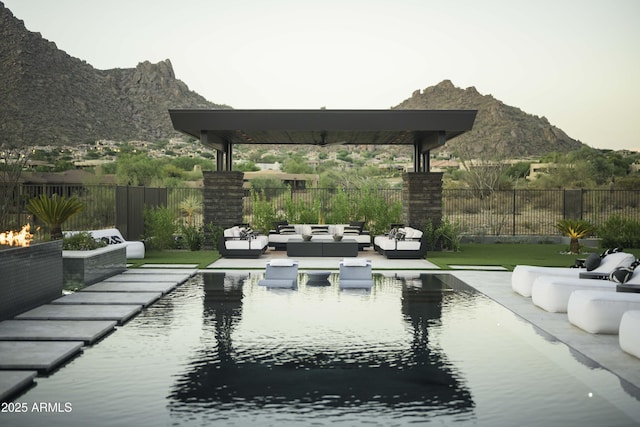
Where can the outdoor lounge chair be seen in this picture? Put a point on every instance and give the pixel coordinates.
(280, 273)
(356, 273)
(600, 312)
(523, 276)
(629, 335)
(552, 293)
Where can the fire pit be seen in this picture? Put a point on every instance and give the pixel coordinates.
(31, 274)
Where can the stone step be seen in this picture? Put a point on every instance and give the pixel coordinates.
(14, 382)
(162, 287)
(121, 313)
(42, 356)
(87, 331)
(131, 298)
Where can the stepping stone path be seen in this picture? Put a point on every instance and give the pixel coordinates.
(40, 340)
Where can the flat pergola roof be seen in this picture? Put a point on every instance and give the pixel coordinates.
(424, 129)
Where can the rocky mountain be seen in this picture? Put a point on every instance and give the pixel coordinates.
(499, 128)
(49, 97)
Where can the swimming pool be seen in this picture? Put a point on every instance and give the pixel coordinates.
(415, 349)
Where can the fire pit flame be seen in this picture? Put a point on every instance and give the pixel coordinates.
(17, 238)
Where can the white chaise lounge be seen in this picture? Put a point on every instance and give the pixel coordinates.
(523, 276)
(629, 335)
(280, 273)
(356, 273)
(600, 312)
(552, 293)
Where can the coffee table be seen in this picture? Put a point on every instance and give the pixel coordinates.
(297, 247)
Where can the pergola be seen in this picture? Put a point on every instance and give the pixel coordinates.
(423, 129)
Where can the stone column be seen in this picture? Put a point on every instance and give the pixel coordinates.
(223, 198)
(421, 198)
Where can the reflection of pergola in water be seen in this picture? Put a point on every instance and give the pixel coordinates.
(422, 129)
(417, 374)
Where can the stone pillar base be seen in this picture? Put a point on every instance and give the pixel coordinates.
(422, 198)
(223, 198)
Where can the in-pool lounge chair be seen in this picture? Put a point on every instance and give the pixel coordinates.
(356, 273)
(280, 273)
(523, 276)
(552, 293)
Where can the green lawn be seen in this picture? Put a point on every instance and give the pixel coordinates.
(202, 258)
(510, 255)
(497, 254)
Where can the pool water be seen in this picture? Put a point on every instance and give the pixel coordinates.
(415, 349)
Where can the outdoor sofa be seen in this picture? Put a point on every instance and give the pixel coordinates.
(402, 242)
(283, 231)
(112, 236)
(241, 242)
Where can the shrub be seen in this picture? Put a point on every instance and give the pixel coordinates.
(619, 232)
(193, 236)
(159, 226)
(82, 241)
(449, 234)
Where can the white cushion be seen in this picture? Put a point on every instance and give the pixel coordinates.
(629, 335)
(600, 312)
(552, 293)
(355, 262)
(523, 276)
(282, 262)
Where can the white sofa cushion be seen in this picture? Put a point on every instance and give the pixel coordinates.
(629, 334)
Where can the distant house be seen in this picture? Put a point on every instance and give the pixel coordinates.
(297, 181)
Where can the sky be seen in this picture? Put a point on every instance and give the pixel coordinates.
(575, 62)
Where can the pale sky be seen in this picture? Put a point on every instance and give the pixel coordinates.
(576, 62)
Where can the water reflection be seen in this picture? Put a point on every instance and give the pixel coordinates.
(259, 368)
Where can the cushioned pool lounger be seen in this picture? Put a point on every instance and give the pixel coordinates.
(629, 335)
(280, 273)
(355, 273)
(600, 312)
(523, 276)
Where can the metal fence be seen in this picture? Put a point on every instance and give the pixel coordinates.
(503, 213)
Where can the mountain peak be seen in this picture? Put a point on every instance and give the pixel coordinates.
(501, 129)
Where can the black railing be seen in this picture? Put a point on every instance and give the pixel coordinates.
(512, 212)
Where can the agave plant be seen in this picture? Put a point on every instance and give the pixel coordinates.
(575, 229)
(54, 211)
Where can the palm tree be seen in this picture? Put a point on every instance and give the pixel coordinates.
(54, 211)
(575, 229)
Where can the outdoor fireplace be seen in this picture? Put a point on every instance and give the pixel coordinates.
(29, 276)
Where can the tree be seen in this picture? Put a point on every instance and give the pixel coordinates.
(14, 155)
(54, 211)
(575, 229)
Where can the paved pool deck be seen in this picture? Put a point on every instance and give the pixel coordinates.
(33, 345)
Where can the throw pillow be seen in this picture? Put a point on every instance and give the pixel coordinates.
(610, 251)
(621, 274)
(593, 261)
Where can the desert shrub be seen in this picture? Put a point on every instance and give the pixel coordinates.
(193, 236)
(449, 235)
(619, 232)
(160, 227)
(82, 241)
(263, 212)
